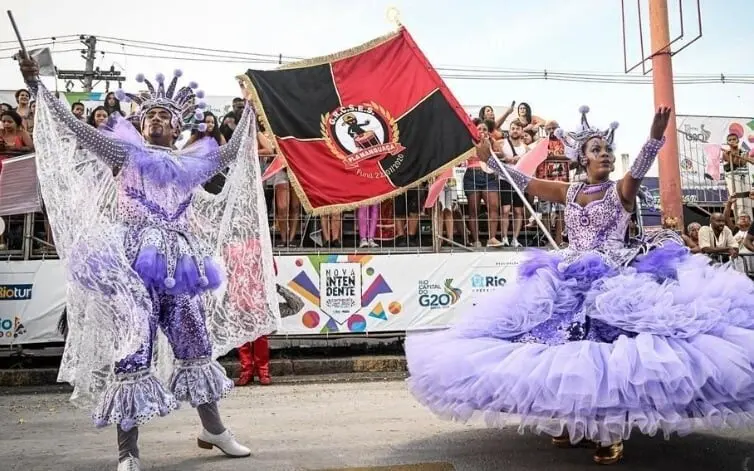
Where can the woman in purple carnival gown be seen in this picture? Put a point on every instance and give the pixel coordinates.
(606, 336)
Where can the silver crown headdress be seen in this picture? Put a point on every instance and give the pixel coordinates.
(574, 141)
(184, 104)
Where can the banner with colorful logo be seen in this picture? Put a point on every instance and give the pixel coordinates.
(361, 125)
(319, 294)
(32, 298)
(387, 293)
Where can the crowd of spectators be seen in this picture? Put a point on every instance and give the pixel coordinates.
(476, 209)
(725, 238)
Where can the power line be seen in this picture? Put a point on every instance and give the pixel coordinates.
(251, 56)
(615, 79)
(31, 45)
(450, 72)
(148, 44)
(46, 38)
(453, 72)
(61, 51)
(195, 59)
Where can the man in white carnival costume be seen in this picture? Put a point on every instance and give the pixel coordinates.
(147, 302)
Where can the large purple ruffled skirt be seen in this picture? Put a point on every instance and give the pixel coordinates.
(665, 345)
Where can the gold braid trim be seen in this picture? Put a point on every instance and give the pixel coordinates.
(354, 51)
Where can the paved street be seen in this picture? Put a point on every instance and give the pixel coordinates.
(327, 426)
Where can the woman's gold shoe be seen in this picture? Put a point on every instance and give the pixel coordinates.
(564, 441)
(609, 454)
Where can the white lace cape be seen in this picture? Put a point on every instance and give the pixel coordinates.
(79, 192)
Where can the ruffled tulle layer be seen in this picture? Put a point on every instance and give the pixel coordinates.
(187, 172)
(666, 347)
(200, 382)
(132, 400)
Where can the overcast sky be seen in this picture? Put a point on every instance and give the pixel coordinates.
(573, 35)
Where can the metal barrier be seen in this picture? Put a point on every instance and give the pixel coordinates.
(744, 262)
(459, 221)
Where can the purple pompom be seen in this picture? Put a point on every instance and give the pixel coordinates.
(160, 78)
(614, 125)
(202, 105)
(169, 283)
(177, 73)
(193, 85)
(120, 94)
(139, 78)
(198, 115)
(203, 281)
(127, 424)
(200, 93)
(202, 127)
(583, 109)
(559, 133)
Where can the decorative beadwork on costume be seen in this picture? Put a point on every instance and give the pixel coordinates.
(557, 330)
(181, 318)
(596, 188)
(574, 141)
(136, 254)
(107, 149)
(646, 158)
(183, 105)
(600, 223)
(520, 179)
(132, 400)
(223, 156)
(155, 208)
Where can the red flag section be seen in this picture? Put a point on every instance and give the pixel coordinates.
(361, 125)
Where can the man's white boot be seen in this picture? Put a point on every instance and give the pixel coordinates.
(130, 464)
(225, 442)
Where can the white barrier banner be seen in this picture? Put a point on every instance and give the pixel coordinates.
(338, 293)
(32, 298)
(398, 292)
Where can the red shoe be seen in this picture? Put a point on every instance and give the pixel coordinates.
(261, 351)
(246, 357)
(244, 379)
(264, 377)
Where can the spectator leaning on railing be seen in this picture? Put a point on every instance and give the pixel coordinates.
(749, 240)
(741, 223)
(691, 238)
(717, 239)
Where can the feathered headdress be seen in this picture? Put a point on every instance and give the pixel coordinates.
(184, 104)
(574, 141)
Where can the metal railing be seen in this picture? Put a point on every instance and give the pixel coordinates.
(461, 220)
(743, 262)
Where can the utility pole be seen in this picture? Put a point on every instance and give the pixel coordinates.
(91, 50)
(662, 77)
(90, 75)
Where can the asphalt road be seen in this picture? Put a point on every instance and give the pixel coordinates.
(328, 427)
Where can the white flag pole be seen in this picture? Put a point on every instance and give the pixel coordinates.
(526, 202)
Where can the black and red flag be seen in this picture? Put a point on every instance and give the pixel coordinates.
(361, 125)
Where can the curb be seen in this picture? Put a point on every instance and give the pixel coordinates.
(287, 371)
